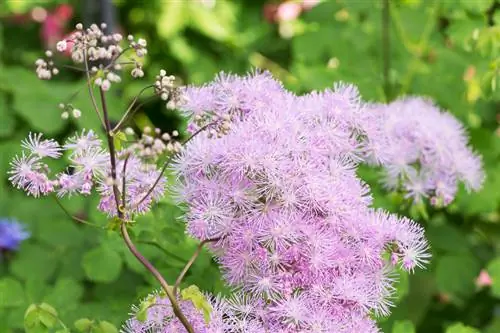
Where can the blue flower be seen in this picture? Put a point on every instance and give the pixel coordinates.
(12, 234)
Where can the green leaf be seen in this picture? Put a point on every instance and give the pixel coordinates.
(8, 122)
(172, 18)
(106, 327)
(34, 262)
(455, 274)
(102, 264)
(118, 138)
(66, 293)
(461, 328)
(11, 292)
(494, 271)
(194, 294)
(404, 326)
(83, 324)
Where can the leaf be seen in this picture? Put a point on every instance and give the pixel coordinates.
(172, 18)
(106, 327)
(194, 294)
(83, 324)
(102, 264)
(34, 262)
(11, 292)
(8, 122)
(455, 274)
(461, 328)
(404, 326)
(65, 294)
(494, 271)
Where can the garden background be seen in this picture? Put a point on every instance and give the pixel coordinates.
(448, 50)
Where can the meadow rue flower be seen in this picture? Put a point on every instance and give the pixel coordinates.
(422, 149)
(12, 233)
(279, 192)
(90, 168)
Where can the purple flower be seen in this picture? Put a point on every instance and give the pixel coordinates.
(12, 233)
(423, 150)
(294, 222)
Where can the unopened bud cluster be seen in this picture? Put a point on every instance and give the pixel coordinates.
(166, 89)
(69, 110)
(153, 143)
(45, 69)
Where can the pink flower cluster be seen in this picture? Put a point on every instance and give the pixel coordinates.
(89, 167)
(423, 150)
(274, 186)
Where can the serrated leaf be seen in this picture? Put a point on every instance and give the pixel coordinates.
(102, 264)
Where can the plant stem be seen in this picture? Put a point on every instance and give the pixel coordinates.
(124, 187)
(168, 289)
(167, 163)
(386, 44)
(129, 111)
(191, 261)
(89, 85)
(112, 153)
(77, 219)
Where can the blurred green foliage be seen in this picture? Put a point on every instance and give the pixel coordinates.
(447, 50)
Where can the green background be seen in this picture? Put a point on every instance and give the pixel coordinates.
(447, 50)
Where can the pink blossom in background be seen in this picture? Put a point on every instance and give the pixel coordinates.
(484, 279)
(288, 11)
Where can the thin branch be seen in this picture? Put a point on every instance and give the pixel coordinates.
(124, 187)
(161, 248)
(91, 91)
(168, 289)
(167, 163)
(77, 219)
(190, 262)
(112, 153)
(128, 113)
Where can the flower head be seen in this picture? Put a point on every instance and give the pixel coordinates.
(12, 233)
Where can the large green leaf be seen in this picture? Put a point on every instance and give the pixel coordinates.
(102, 264)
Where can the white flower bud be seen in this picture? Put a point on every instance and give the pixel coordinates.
(61, 46)
(61, 105)
(175, 133)
(105, 85)
(147, 129)
(129, 131)
(130, 38)
(76, 113)
(98, 81)
(65, 115)
(142, 42)
(171, 105)
(48, 53)
(79, 26)
(164, 96)
(165, 137)
(55, 71)
(163, 72)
